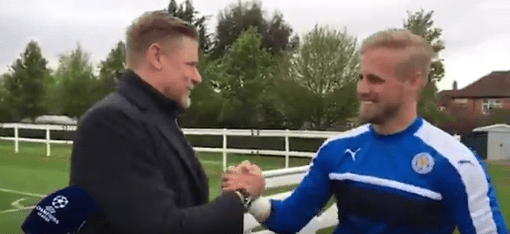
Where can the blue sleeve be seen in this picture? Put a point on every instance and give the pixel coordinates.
(293, 213)
(498, 216)
(471, 199)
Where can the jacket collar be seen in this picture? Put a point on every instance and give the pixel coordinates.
(145, 96)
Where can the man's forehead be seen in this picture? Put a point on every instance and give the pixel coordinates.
(383, 60)
(185, 47)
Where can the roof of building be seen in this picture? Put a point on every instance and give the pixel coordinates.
(494, 128)
(494, 85)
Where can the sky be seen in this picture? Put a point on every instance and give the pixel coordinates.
(476, 32)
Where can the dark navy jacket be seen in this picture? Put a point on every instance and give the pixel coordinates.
(131, 156)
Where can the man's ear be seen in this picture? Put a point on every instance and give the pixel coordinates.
(153, 56)
(416, 80)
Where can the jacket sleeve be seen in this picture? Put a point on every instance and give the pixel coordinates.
(113, 160)
(470, 197)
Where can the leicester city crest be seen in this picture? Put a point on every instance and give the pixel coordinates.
(423, 163)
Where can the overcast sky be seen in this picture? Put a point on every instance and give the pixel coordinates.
(476, 32)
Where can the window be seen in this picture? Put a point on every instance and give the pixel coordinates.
(461, 100)
(489, 104)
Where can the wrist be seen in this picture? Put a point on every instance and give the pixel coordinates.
(260, 208)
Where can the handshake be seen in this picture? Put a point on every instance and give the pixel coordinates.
(245, 178)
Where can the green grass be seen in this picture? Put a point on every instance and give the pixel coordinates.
(31, 171)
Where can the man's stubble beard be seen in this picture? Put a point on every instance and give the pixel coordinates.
(380, 117)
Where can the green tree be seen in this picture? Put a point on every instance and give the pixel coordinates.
(242, 79)
(421, 23)
(276, 33)
(52, 98)
(76, 82)
(25, 84)
(323, 74)
(111, 69)
(498, 116)
(186, 11)
(5, 114)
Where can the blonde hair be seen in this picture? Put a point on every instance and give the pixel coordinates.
(417, 51)
(154, 27)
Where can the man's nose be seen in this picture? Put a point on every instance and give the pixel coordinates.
(197, 79)
(363, 88)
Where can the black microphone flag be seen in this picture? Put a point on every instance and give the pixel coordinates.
(62, 212)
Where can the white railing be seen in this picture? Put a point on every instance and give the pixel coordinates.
(188, 131)
(274, 178)
(292, 176)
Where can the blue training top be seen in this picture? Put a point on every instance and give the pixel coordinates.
(420, 180)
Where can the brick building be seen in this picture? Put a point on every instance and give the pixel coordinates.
(489, 92)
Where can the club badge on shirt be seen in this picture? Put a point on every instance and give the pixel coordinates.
(422, 163)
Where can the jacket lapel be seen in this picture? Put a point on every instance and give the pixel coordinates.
(154, 117)
(164, 128)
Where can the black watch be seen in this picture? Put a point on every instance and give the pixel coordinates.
(246, 200)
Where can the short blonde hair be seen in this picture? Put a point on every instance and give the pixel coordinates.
(418, 53)
(154, 27)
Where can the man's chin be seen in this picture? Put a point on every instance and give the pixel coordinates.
(185, 103)
(365, 118)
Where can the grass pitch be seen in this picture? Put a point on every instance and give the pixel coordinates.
(29, 175)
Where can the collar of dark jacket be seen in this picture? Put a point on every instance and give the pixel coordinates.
(145, 96)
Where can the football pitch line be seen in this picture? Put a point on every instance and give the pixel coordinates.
(19, 207)
(16, 210)
(22, 193)
(42, 195)
(17, 204)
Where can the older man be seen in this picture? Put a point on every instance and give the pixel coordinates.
(131, 155)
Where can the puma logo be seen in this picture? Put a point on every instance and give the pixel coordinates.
(353, 154)
(464, 162)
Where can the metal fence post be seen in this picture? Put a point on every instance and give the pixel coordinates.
(48, 141)
(287, 148)
(16, 140)
(224, 149)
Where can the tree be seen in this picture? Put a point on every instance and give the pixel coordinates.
(323, 73)
(5, 113)
(242, 79)
(76, 83)
(498, 116)
(239, 17)
(52, 99)
(186, 11)
(420, 23)
(462, 121)
(111, 69)
(25, 84)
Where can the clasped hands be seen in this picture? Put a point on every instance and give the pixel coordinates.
(246, 178)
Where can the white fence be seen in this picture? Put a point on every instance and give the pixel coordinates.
(291, 176)
(196, 131)
(274, 178)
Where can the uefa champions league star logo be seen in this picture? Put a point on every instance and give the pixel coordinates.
(59, 202)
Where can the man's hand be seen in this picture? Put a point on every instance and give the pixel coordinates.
(246, 178)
